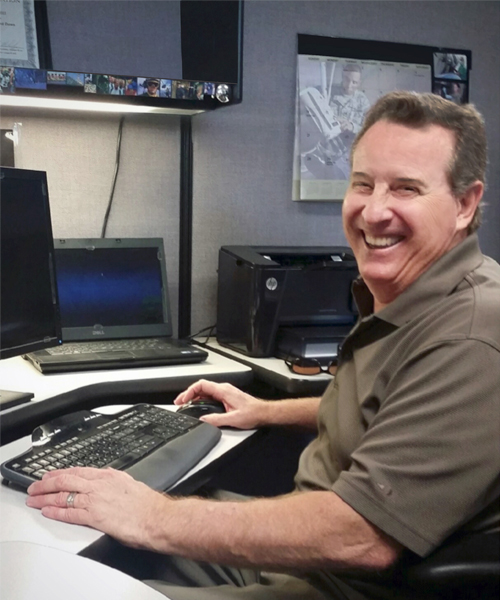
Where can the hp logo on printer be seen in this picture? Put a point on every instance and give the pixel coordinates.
(271, 284)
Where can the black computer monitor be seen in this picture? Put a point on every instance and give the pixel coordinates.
(29, 308)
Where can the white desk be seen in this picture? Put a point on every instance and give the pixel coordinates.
(18, 374)
(68, 392)
(26, 537)
(275, 372)
(20, 523)
(38, 556)
(29, 571)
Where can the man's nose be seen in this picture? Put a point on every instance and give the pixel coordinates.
(377, 207)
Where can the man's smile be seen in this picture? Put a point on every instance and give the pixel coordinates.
(375, 242)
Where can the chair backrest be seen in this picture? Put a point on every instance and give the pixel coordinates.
(468, 569)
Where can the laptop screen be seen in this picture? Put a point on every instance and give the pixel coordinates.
(112, 288)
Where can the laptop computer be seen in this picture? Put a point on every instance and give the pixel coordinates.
(115, 311)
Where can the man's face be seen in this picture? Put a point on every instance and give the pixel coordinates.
(350, 81)
(399, 212)
(152, 88)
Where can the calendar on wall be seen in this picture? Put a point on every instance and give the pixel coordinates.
(336, 85)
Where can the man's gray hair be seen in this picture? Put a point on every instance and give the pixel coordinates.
(414, 110)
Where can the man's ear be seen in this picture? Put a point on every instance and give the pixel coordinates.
(468, 203)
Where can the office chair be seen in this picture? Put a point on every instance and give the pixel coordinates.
(465, 569)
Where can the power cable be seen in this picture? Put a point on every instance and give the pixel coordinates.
(115, 176)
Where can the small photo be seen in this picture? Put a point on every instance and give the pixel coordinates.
(75, 79)
(101, 83)
(183, 90)
(33, 79)
(90, 84)
(166, 88)
(209, 88)
(56, 77)
(117, 85)
(456, 91)
(450, 66)
(131, 86)
(7, 80)
(148, 86)
(96, 84)
(199, 90)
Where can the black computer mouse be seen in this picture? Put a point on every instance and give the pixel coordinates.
(201, 406)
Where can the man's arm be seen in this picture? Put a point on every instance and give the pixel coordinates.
(246, 412)
(303, 530)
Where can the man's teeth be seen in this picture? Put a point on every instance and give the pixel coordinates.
(382, 241)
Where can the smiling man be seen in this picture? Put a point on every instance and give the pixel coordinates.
(400, 212)
(406, 454)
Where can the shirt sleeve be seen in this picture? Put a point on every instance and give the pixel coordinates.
(430, 459)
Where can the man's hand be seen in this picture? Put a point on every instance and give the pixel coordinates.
(107, 500)
(246, 412)
(242, 410)
(304, 530)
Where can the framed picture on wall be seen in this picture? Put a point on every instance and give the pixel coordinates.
(337, 82)
(22, 25)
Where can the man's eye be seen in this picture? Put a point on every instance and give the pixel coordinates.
(408, 189)
(361, 185)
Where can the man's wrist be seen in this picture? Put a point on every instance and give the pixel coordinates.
(292, 411)
(264, 415)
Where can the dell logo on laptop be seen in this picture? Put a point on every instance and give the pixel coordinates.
(98, 329)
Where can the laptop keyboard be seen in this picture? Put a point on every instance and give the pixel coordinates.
(154, 445)
(109, 345)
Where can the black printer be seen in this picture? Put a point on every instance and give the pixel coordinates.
(285, 301)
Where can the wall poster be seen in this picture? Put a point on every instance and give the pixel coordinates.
(337, 82)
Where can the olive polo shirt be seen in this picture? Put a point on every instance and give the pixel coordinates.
(408, 432)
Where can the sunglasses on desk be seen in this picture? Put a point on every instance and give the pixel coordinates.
(310, 366)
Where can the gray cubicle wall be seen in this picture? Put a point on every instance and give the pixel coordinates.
(243, 184)
(243, 154)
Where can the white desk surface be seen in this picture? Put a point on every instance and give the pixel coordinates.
(29, 571)
(29, 542)
(17, 374)
(275, 371)
(20, 523)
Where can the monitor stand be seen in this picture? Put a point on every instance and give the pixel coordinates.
(8, 399)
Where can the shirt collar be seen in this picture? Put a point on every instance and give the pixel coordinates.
(438, 281)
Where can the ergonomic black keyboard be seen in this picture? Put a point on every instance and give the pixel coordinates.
(154, 445)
